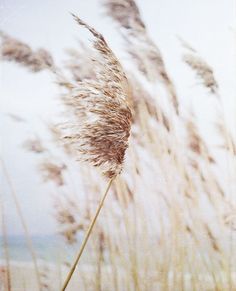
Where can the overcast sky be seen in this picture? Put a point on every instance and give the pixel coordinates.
(208, 25)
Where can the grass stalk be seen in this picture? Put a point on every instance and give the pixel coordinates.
(68, 278)
(23, 222)
(6, 250)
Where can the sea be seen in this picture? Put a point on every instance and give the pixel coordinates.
(49, 248)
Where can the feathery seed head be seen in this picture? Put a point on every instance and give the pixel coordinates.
(102, 117)
(52, 172)
(123, 8)
(140, 46)
(34, 145)
(80, 63)
(203, 70)
(15, 50)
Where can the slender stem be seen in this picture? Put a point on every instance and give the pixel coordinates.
(87, 236)
(22, 220)
(6, 250)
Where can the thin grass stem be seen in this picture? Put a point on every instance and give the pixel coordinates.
(68, 278)
(24, 225)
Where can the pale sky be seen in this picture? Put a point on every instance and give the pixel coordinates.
(208, 25)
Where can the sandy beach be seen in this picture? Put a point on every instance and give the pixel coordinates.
(23, 278)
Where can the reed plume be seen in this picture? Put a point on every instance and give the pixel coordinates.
(34, 145)
(80, 64)
(14, 50)
(196, 143)
(139, 45)
(140, 96)
(202, 69)
(52, 172)
(228, 140)
(100, 129)
(147, 56)
(66, 214)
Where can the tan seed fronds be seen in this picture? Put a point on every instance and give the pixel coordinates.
(52, 172)
(139, 45)
(69, 218)
(194, 164)
(212, 238)
(80, 63)
(229, 143)
(107, 67)
(19, 52)
(126, 13)
(34, 145)
(139, 95)
(196, 142)
(102, 118)
(203, 70)
(68, 227)
(56, 136)
(219, 189)
(186, 45)
(69, 234)
(229, 220)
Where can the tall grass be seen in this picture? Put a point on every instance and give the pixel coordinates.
(169, 223)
